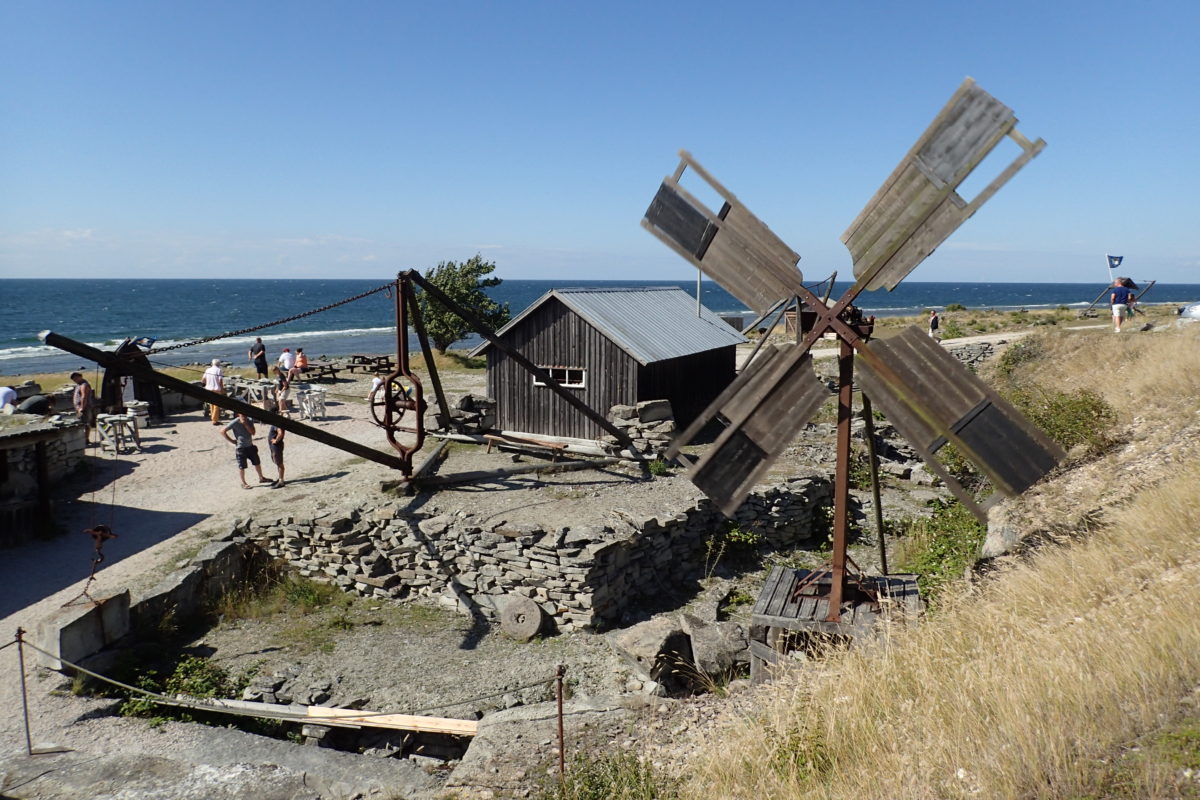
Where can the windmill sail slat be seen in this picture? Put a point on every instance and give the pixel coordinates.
(917, 208)
(765, 416)
(930, 397)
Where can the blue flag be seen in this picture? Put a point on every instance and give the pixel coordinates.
(1115, 261)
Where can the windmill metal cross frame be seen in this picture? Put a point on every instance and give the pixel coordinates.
(930, 398)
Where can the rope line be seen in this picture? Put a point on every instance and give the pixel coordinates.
(292, 318)
(221, 707)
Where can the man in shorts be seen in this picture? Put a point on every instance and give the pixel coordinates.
(84, 400)
(275, 445)
(243, 440)
(1120, 299)
(258, 354)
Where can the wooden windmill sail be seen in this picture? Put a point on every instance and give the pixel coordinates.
(929, 396)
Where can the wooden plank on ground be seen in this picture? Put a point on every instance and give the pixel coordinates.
(402, 722)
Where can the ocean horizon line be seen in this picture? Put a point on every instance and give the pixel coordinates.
(692, 279)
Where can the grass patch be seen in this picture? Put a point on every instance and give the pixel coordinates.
(619, 775)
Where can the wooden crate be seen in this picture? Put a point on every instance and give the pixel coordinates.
(779, 614)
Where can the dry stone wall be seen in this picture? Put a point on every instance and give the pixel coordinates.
(583, 577)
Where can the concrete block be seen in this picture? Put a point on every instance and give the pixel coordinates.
(78, 631)
(178, 594)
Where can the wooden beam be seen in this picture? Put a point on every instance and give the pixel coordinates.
(123, 365)
(401, 722)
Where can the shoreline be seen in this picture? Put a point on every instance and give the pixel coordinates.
(336, 344)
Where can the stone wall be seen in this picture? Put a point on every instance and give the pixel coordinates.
(649, 424)
(583, 577)
(94, 635)
(63, 445)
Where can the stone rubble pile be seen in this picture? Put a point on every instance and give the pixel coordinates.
(582, 577)
(650, 424)
(973, 354)
(284, 687)
(470, 414)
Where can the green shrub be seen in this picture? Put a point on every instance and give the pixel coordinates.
(658, 468)
(956, 307)
(619, 775)
(860, 470)
(1069, 418)
(952, 330)
(740, 543)
(193, 676)
(941, 547)
(1017, 354)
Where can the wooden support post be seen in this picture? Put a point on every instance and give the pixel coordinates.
(841, 487)
(874, 457)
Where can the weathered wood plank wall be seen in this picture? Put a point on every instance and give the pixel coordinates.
(555, 336)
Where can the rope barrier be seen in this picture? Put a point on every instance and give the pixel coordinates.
(290, 716)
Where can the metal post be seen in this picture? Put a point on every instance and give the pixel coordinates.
(24, 698)
(841, 486)
(874, 457)
(562, 756)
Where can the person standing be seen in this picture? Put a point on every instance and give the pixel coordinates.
(1120, 299)
(283, 396)
(258, 354)
(934, 324)
(8, 397)
(245, 449)
(84, 401)
(275, 445)
(214, 381)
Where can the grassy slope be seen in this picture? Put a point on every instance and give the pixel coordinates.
(1033, 683)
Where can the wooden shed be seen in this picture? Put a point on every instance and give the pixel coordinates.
(611, 346)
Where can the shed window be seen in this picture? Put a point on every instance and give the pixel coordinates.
(567, 377)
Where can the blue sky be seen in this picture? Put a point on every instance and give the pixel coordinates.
(298, 140)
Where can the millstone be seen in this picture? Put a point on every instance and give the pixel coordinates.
(521, 618)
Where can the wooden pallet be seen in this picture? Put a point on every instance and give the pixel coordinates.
(781, 609)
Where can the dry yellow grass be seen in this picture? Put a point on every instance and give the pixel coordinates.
(1027, 685)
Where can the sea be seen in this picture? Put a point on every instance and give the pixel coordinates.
(104, 312)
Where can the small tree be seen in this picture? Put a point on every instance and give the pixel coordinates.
(464, 284)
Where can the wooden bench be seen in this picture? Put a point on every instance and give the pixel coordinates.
(319, 372)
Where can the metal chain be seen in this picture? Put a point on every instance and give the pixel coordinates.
(292, 318)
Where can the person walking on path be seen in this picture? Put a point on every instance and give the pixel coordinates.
(934, 324)
(258, 354)
(1120, 299)
(245, 449)
(214, 381)
(84, 400)
(275, 445)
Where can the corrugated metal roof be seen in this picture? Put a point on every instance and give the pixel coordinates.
(654, 323)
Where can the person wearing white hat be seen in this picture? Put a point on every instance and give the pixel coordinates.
(214, 381)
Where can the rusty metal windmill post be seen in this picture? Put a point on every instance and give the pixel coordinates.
(925, 392)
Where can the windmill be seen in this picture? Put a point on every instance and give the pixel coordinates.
(929, 397)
